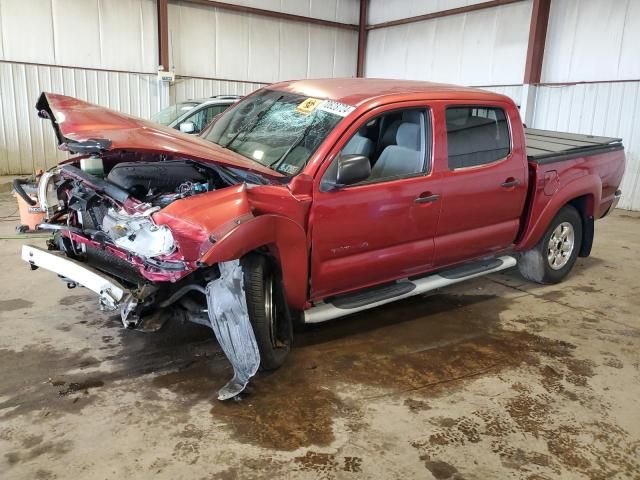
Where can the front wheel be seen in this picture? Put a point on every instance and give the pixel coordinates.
(268, 312)
(554, 256)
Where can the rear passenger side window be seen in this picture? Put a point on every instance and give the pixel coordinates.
(476, 136)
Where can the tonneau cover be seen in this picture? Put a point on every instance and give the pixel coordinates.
(548, 146)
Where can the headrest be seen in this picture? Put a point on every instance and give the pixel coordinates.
(408, 136)
(412, 116)
(457, 116)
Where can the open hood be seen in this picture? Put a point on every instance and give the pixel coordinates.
(84, 128)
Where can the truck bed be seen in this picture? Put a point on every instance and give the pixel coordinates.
(546, 146)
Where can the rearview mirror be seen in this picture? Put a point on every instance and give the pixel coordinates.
(352, 169)
(187, 127)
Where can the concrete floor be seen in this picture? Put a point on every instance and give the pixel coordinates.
(495, 378)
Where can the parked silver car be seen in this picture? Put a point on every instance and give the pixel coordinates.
(191, 116)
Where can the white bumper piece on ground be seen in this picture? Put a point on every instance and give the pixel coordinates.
(110, 292)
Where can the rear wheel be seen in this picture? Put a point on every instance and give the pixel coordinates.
(268, 312)
(554, 256)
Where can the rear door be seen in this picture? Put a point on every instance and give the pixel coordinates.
(383, 228)
(485, 182)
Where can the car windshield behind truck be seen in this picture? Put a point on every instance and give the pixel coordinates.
(169, 114)
(277, 129)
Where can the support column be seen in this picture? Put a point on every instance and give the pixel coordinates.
(164, 86)
(362, 37)
(528, 103)
(535, 58)
(163, 34)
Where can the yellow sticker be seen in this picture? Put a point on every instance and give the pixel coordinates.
(308, 105)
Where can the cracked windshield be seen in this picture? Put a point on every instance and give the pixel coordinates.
(278, 129)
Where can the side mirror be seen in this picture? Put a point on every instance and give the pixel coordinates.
(187, 127)
(352, 169)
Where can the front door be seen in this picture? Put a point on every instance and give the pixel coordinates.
(383, 228)
(484, 184)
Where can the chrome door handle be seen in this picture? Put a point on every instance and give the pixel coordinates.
(510, 183)
(427, 199)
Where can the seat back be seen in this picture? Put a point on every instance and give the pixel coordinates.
(404, 158)
(359, 145)
(473, 140)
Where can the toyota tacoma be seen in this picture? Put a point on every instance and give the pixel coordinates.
(311, 200)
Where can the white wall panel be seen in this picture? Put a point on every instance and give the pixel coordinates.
(344, 11)
(609, 109)
(186, 88)
(26, 141)
(485, 47)
(22, 22)
(106, 34)
(232, 47)
(129, 35)
(294, 51)
(387, 10)
(217, 43)
(591, 40)
(264, 33)
(512, 91)
(76, 31)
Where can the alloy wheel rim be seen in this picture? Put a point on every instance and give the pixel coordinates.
(560, 246)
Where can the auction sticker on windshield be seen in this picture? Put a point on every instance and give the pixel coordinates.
(336, 108)
(308, 106)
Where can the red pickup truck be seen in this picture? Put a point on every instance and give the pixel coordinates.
(310, 200)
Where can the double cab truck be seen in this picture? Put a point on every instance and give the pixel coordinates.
(311, 200)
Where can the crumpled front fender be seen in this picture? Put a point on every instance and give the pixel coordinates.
(285, 236)
(220, 226)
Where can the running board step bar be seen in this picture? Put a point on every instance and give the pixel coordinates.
(357, 302)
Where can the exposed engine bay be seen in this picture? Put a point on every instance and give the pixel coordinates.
(105, 219)
(118, 209)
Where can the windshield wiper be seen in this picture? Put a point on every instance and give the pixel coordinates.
(275, 164)
(251, 125)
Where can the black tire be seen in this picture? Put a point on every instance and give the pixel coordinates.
(536, 264)
(272, 329)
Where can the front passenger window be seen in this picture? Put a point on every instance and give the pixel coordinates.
(395, 144)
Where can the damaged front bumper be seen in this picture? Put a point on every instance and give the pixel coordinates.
(227, 308)
(112, 295)
(110, 292)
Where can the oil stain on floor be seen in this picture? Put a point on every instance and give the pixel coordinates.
(14, 304)
(420, 348)
(417, 346)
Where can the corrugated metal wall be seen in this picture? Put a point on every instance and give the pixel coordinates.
(217, 43)
(188, 88)
(512, 91)
(609, 109)
(592, 40)
(484, 47)
(104, 34)
(40, 38)
(386, 10)
(26, 141)
(66, 46)
(345, 11)
(587, 40)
